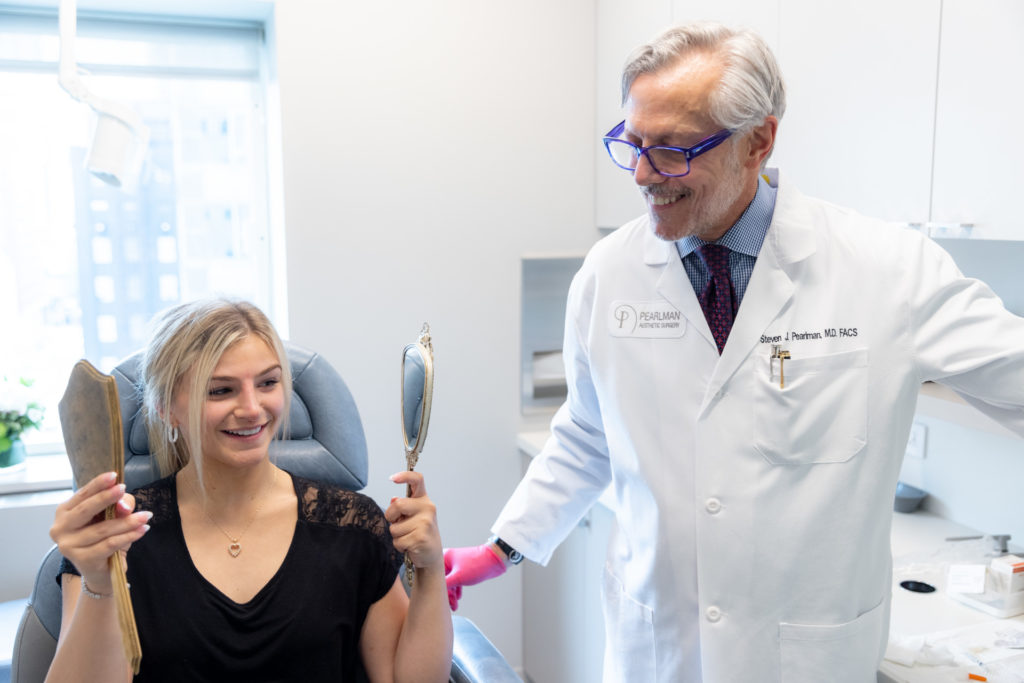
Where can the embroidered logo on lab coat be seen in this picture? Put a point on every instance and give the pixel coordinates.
(645, 319)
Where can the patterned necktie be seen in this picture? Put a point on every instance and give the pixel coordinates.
(718, 299)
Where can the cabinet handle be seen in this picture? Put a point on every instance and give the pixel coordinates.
(941, 229)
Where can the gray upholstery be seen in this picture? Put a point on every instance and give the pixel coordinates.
(475, 659)
(325, 442)
(36, 639)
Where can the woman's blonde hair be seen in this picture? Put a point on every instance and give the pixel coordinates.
(193, 337)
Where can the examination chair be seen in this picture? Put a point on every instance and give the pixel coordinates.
(325, 443)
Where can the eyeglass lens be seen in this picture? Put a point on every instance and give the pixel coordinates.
(666, 161)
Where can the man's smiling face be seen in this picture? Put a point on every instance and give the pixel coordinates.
(672, 107)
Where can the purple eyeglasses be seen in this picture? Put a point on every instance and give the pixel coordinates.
(673, 162)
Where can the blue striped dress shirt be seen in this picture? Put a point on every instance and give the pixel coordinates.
(743, 239)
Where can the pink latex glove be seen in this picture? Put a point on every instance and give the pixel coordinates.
(468, 567)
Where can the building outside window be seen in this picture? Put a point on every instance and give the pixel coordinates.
(84, 265)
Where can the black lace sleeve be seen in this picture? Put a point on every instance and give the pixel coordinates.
(329, 504)
(160, 498)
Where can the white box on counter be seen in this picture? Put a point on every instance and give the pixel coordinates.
(1007, 573)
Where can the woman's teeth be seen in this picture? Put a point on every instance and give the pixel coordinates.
(244, 432)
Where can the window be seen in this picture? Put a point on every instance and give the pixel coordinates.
(84, 265)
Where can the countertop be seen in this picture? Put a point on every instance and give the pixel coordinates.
(38, 473)
(922, 553)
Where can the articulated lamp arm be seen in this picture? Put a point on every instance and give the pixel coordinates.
(120, 138)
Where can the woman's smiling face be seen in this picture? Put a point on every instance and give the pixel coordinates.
(243, 404)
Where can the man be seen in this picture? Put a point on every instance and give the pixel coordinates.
(743, 364)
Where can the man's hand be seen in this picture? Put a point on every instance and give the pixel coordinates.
(468, 567)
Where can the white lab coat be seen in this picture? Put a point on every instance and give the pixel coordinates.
(753, 520)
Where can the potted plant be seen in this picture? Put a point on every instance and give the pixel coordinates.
(18, 412)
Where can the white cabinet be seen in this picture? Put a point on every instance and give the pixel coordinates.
(762, 16)
(563, 627)
(860, 83)
(554, 643)
(911, 119)
(978, 137)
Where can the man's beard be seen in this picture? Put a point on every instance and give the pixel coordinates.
(703, 219)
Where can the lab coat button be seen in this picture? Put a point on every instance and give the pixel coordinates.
(713, 505)
(713, 614)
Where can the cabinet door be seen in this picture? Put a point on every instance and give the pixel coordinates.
(759, 15)
(555, 645)
(601, 520)
(563, 623)
(860, 80)
(621, 26)
(979, 139)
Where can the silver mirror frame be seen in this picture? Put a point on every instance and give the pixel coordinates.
(424, 347)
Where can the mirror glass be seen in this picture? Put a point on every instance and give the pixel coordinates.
(417, 384)
(414, 378)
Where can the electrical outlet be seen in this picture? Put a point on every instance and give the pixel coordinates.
(916, 444)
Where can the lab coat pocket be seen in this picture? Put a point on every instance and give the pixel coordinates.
(839, 653)
(629, 634)
(817, 414)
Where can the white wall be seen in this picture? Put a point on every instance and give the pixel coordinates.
(427, 146)
(972, 474)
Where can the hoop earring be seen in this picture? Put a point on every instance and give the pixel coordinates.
(172, 434)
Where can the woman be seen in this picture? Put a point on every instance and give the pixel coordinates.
(239, 570)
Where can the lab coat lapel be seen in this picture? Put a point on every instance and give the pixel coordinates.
(790, 238)
(674, 285)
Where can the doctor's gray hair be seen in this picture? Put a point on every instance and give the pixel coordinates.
(751, 87)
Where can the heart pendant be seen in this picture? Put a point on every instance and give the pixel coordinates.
(235, 549)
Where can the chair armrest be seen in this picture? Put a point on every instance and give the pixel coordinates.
(33, 650)
(475, 659)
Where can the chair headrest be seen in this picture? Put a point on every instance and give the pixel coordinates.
(325, 437)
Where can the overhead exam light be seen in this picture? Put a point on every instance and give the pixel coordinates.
(120, 138)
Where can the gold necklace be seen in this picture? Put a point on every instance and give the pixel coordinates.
(235, 547)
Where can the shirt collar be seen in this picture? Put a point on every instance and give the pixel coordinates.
(747, 234)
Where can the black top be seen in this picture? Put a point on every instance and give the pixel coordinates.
(304, 625)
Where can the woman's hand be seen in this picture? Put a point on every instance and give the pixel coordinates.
(414, 523)
(409, 638)
(85, 538)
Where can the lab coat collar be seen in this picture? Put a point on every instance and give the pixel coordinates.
(791, 233)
